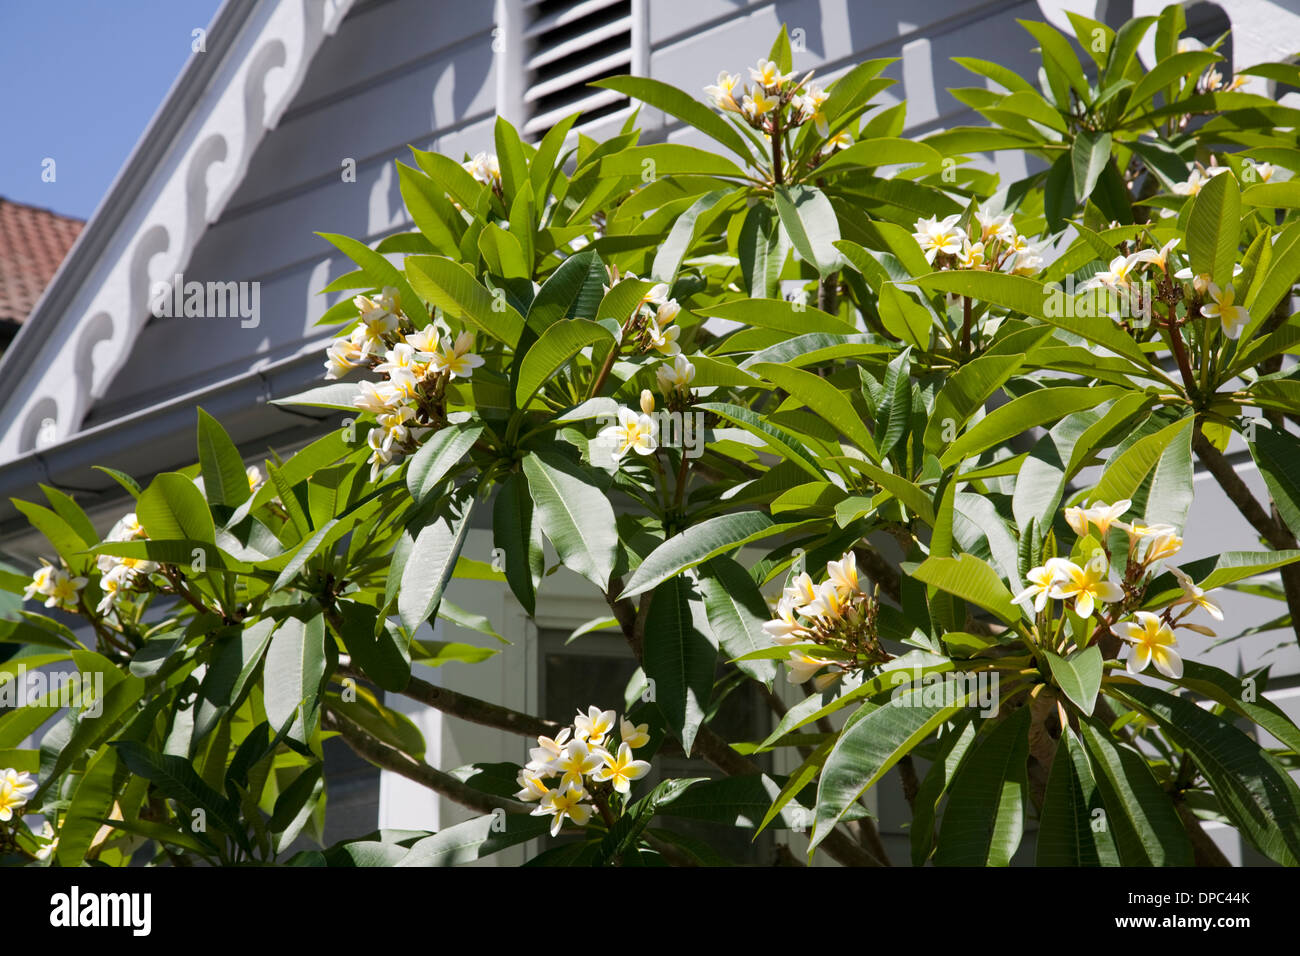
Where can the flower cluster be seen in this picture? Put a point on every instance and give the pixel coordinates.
(1090, 589)
(59, 588)
(417, 365)
(485, 168)
(577, 769)
(16, 788)
(119, 575)
(838, 614)
(776, 102)
(988, 242)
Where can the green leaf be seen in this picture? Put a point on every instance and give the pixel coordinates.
(809, 220)
(552, 350)
(1056, 52)
(175, 778)
(453, 288)
(680, 104)
(903, 317)
(970, 579)
(575, 515)
(822, 398)
(679, 659)
(1213, 227)
(382, 273)
(697, 544)
(91, 802)
(224, 478)
(295, 805)
(1088, 157)
(574, 290)
(437, 456)
(984, 818)
(518, 533)
(380, 652)
(780, 315)
(1072, 830)
(1024, 413)
(736, 611)
(1252, 788)
(668, 260)
(431, 564)
(1128, 470)
(1277, 453)
(763, 249)
(473, 840)
(1079, 676)
(780, 441)
(1139, 814)
(292, 674)
(668, 159)
(173, 507)
(874, 741)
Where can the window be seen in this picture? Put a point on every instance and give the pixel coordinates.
(569, 44)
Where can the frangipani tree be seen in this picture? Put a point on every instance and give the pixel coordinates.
(934, 466)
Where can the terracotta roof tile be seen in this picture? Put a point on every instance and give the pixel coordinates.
(33, 243)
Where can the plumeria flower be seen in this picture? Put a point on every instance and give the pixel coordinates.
(667, 311)
(401, 356)
(621, 769)
(1153, 641)
(635, 736)
(380, 457)
(1158, 258)
(1117, 276)
(723, 93)
(995, 227)
(16, 788)
(768, 74)
(51, 842)
(800, 668)
(576, 762)
(549, 749)
(1233, 317)
(41, 581)
(1087, 585)
(1136, 530)
(128, 528)
(675, 376)
(424, 342)
(758, 104)
(402, 385)
(810, 104)
(664, 339)
(828, 605)
(1040, 583)
(633, 432)
(1164, 545)
(1195, 596)
(394, 428)
(255, 478)
(594, 726)
(841, 140)
(457, 360)
(1201, 281)
(1192, 184)
(801, 590)
(110, 585)
(531, 786)
(342, 356)
(936, 236)
(564, 803)
(64, 589)
(785, 628)
(1028, 264)
(486, 168)
(1262, 172)
(971, 255)
(844, 573)
(1100, 514)
(378, 400)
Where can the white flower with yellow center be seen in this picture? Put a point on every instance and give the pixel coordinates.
(841, 140)
(41, 583)
(784, 628)
(667, 311)
(1086, 585)
(1233, 317)
(634, 735)
(401, 356)
(801, 590)
(594, 726)
(936, 236)
(110, 585)
(576, 761)
(377, 400)
(531, 786)
(424, 341)
(1158, 257)
(16, 788)
(995, 227)
(1192, 184)
(800, 668)
(64, 590)
(663, 339)
(633, 432)
(1262, 172)
(458, 361)
(341, 357)
(810, 105)
(394, 428)
(1201, 280)
(402, 385)
(1118, 276)
(844, 573)
(1163, 546)
(758, 104)
(723, 93)
(128, 528)
(548, 750)
(1195, 596)
(675, 376)
(827, 605)
(564, 803)
(621, 769)
(485, 168)
(1103, 515)
(380, 457)
(1040, 583)
(378, 320)
(1153, 641)
(768, 74)
(971, 255)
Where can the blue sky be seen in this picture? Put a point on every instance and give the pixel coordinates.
(83, 79)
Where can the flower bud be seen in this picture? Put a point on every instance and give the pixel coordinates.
(647, 402)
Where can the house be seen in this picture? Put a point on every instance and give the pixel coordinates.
(289, 123)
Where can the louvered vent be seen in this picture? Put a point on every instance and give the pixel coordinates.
(568, 44)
